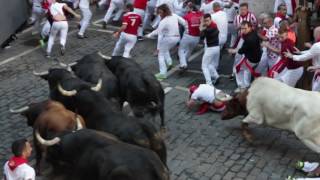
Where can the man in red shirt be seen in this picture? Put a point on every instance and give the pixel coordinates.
(191, 35)
(127, 33)
(140, 8)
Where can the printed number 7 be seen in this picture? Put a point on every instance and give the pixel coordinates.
(133, 21)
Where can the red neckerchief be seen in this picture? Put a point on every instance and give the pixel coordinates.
(213, 25)
(243, 16)
(280, 15)
(14, 162)
(209, 1)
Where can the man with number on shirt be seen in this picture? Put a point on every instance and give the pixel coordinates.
(127, 33)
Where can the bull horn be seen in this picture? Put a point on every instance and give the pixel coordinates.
(221, 96)
(20, 110)
(42, 141)
(65, 92)
(67, 66)
(104, 56)
(98, 86)
(154, 104)
(79, 125)
(40, 73)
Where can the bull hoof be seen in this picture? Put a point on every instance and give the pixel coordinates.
(248, 137)
(163, 131)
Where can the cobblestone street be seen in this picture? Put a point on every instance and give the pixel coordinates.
(199, 147)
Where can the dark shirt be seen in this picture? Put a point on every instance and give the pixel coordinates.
(288, 45)
(211, 34)
(251, 47)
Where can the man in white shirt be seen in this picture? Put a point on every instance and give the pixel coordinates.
(117, 6)
(16, 168)
(37, 15)
(221, 19)
(314, 54)
(84, 6)
(231, 8)
(207, 95)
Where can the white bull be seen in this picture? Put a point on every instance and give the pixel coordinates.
(281, 106)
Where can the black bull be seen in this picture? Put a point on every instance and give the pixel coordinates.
(91, 68)
(138, 87)
(91, 154)
(98, 113)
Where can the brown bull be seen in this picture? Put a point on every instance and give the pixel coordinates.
(49, 118)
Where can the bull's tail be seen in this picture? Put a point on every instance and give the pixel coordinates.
(156, 141)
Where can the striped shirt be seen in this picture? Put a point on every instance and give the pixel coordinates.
(249, 17)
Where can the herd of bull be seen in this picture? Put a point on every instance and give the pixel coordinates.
(90, 93)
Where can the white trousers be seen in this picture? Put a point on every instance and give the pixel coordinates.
(114, 5)
(46, 30)
(232, 32)
(85, 21)
(164, 46)
(36, 17)
(147, 18)
(243, 77)
(237, 56)
(266, 63)
(290, 76)
(141, 12)
(210, 58)
(187, 44)
(126, 41)
(62, 27)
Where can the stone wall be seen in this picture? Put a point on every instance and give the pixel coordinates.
(259, 6)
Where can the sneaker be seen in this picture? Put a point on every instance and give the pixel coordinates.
(80, 36)
(170, 67)
(62, 50)
(140, 38)
(42, 43)
(48, 56)
(160, 76)
(306, 166)
(231, 77)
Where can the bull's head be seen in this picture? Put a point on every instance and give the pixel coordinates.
(236, 106)
(64, 92)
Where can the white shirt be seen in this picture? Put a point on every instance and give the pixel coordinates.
(221, 19)
(232, 11)
(84, 4)
(22, 172)
(178, 7)
(313, 53)
(57, 8)
(207, 8)
(169, 26)
(205, 93)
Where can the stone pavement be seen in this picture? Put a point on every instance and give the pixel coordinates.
(199, 147)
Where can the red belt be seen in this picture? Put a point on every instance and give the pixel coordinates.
(246, 63)
(278, 67)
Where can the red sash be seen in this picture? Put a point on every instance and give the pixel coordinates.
(278, 67)
(246, 63)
